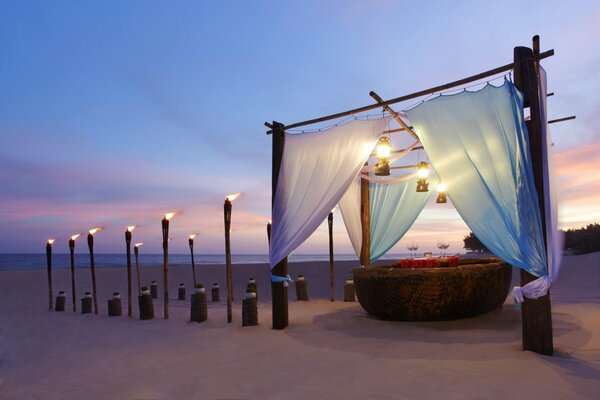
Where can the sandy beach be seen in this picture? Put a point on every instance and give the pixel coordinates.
(330, 350)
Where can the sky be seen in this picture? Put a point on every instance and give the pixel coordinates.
(113, 113)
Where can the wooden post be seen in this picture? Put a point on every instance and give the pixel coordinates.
(536, 313)
(331, 266)
(165, 235)
(229, 277)
(49, 262)
(279, 291)
(90, 240)
(191, 243)
(128, 245)
(72, 251)
(365, 220)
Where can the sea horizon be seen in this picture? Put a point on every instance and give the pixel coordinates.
(28, 261)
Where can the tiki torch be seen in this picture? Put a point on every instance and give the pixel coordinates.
(49, 261)
(227, 219)
(137, 266)
(191, 243)
(165, 235)
(128, 245)
(90, 240)
(72, 251)
(269, 232)
(331, 269)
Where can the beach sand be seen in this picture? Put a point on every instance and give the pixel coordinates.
(329, 351)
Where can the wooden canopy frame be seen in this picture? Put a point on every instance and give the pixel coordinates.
(536, 313)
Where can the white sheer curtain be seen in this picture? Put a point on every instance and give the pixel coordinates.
(554, 238)
(350, 209)
(316, 170)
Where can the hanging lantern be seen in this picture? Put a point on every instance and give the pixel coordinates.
(422, 175)
(441, 188)
(384, 149)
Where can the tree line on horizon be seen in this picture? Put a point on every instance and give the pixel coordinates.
(577, 241)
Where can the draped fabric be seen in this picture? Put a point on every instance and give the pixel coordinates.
(316, 170)
(478, 145)
(393, 208)
(554, 239)
(350, 209)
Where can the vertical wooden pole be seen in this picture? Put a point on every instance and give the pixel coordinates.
(49, 261)
(191, 243)
(165, 235)
(279, 292)
(128, 248)
(90, 240)
(73, 294)
(331, 264)
(536, 313)
(229, 280)
(365, 220)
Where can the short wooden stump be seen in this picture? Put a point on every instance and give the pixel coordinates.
(250, 311)
(61, 300)
(301, 289)
(146, 305)
(214, 292)
(154, 290)
(86, 304)
(349, 292)
(114, 305)
(199, 307)
(181, 292)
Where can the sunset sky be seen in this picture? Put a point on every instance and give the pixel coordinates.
(113, 113)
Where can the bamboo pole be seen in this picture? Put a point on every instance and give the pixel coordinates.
(165, 235)
(279, 291)
(137, 269)
(464, 81)
(227, 219)
(128, 248)
(331, 264)
(72, 252)
(49, 267)
(536, 314)
(90, 240)
(191, 243)
(393, 114)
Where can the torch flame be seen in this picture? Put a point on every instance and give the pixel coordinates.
(75, 236)
(131, 228)
(193, 236)
(234, 196)
(138, 244)
(170, 215)
(92, 231)
(50, 241)
(269, 222)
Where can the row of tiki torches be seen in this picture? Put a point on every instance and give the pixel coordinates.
(128, 238)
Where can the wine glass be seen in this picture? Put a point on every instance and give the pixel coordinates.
(410, 249)
(440, 246)
(415, 248)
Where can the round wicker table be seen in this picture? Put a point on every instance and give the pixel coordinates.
(475, 287)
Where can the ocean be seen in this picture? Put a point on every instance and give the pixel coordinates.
(38, 261)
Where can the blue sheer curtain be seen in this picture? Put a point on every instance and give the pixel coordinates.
(478, 145)
(394, 208)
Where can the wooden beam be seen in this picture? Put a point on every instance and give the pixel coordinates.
(554, 121)
(279, 292)
(536, 313)
(365, 221)
(393, 114)
(420, 93)
(399, 151)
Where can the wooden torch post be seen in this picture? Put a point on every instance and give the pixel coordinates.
(49, 265)
(536, 313)
(279, 292)
(90, 240)
(365, 221)
(229, 280)
(72, 253)
(128, 248)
